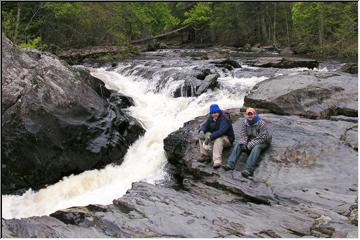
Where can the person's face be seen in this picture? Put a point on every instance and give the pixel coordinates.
(215, 116)
(250, 116)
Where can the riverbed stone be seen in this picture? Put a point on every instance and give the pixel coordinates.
(57, 120)
(304, 186)
(308, 94)
(283, 62)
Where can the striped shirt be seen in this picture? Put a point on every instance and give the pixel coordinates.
(251, 135)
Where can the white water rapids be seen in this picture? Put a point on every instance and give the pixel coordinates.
(161, 114)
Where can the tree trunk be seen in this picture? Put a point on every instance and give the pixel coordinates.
(258, 23)
(321, 27)
(263, 29)
(269, 23)
(161, 35)
(28, 24)
(274, 30)
(18, 15)
(287, 28)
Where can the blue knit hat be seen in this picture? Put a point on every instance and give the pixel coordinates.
(214, 108)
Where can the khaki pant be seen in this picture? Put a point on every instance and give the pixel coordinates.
(217, 149)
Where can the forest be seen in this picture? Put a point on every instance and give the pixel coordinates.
(315, 28)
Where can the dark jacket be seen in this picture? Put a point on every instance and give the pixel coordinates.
(255, 133)
(221, 127)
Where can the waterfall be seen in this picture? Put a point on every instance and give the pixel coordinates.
(160, 113)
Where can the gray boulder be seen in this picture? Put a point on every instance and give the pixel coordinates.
(194, 87)
(308, 94)
(302, 167)
(283, 62)
(288, 51)
(210, 82)
(350, 68)
(203, 211)
(57, 120)
(305, 186)
(227, 63)
(301, 147)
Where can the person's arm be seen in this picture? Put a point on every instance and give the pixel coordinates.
(262, 137)
(224, 126)
(243, 136)
(205, 126)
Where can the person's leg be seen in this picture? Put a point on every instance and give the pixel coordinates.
(253, 158)
(234, 156)
(219, 145)
(203, 151)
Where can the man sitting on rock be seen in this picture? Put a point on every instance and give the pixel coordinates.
(217, 128)
(254, 138)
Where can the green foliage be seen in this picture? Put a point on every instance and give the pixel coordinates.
(240, 23)
(156, 16)
(228, 23)
(126, 53)
(81, 24)
(323, 28)
(8, 23)
(326, 28)
(200, 14)
(34, 43)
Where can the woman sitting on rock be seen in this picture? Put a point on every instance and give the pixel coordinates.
(217, 128)
(254, 138)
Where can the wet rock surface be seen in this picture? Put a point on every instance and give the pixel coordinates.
(150, 211)
(195, 88)
(308, 94)
(227, 63)
(353, 213)
(57, 120)
(350, 68)
(176, 74)
(288, 51)
(308, 164)
(191, 78)
(283, 62)
(305, 185)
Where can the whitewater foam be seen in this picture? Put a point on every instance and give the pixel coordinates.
(160, 114)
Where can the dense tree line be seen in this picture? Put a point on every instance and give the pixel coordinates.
(323, 28)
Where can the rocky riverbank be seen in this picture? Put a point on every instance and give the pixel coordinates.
(57, 120)
(305, 185)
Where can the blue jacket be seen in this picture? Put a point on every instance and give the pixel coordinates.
(221, 127)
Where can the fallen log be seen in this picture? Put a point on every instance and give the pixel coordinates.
(83, 52)
(160, 36)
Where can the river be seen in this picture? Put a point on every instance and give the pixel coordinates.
(151, 81)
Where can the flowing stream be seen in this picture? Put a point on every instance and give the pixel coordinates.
(151, 83)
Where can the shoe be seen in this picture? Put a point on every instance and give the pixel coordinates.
(246, 173)
(227, 167)
(216, 165)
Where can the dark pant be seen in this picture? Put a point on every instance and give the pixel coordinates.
(253, 158)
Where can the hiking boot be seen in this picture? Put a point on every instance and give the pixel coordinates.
(246, 173)
(216, 165)
(227, 167)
